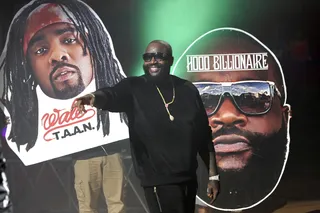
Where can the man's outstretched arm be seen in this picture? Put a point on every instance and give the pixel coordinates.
(114, 99)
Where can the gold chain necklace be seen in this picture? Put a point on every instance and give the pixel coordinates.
(167, 104)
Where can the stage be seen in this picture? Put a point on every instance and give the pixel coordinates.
(31, 192)
(300, 207)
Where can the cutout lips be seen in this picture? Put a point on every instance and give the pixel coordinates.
(63, 73)
(231, 144)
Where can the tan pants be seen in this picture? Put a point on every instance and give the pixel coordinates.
(98, 173)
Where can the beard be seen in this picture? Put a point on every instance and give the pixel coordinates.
(159, 77)
(67, 90)
(245, 187)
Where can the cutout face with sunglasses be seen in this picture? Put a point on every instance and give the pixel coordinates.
(249, 122)
(249, 130)
(239, 111)
(157, 60)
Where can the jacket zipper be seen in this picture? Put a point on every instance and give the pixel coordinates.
(157, 197)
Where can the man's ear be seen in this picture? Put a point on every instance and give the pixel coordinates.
(171, 61)
(286, 112)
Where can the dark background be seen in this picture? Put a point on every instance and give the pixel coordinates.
(288, 28)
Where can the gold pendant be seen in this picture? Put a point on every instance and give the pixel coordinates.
(171, 117)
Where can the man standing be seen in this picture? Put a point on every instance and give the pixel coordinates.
(168, 127)
(62, 47)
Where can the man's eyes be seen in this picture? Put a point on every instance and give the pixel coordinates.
(41, 51)
(70, 40)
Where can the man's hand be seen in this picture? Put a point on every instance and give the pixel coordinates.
(213, 190)
(80, 102)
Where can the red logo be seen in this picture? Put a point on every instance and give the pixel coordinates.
(61, 118)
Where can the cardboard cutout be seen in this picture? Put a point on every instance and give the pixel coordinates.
(243, 90)
(53, 54)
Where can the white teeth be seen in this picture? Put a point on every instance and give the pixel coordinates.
(63, 73)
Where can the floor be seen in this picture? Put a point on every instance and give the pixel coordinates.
(300, 207)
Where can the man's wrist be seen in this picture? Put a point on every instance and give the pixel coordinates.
(214, 177)
(93, 97)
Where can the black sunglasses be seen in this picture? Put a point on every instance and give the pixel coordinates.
(147, 57)
(249, 97)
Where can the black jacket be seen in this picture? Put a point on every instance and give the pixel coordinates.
(163, 151)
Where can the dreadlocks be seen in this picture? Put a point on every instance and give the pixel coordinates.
(20, 84)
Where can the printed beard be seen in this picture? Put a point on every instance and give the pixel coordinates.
(69, 91)
(243, 188)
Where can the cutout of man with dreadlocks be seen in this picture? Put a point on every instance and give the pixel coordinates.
(38, 73)
(57, 50)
